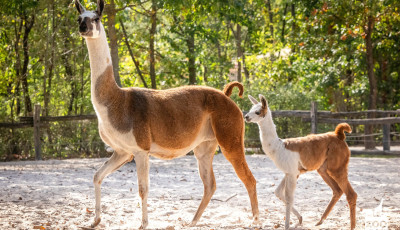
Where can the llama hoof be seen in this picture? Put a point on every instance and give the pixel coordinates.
(320, 222)
(256, 222)
(192, 224)
(300, 220)
(144, 225)
(96, 222)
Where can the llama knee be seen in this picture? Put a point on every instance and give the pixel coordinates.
(278, 193)
(352, 198)
(337, 194)
(210, 187)
(213, 187)
(142, 192)
(96, 178)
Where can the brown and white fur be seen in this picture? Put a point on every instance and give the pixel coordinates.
(166, 124)
(327, 153)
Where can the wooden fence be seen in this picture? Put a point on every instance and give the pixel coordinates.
(313, 116)
(38, 121)
(316, 117)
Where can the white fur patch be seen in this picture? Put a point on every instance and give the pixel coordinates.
(284, 159)
(88, 14)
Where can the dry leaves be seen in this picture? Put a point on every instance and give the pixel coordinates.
(88, 211)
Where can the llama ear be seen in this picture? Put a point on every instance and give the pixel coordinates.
(79, 7)
(263, 101)
(100, 7)
(253, 100)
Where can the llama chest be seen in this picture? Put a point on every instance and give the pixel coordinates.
(284, 159)
(122, 141)
(118, 141)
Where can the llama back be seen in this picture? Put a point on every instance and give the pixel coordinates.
(312, 148)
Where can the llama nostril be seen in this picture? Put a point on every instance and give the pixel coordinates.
(83, 27)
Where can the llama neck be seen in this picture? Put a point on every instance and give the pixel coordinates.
(100, 61)
(268, 135)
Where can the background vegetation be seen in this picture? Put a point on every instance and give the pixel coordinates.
(344, 54)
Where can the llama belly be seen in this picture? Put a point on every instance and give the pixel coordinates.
(167, 154)
(205, 134)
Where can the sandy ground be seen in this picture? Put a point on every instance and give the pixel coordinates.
(58, 194)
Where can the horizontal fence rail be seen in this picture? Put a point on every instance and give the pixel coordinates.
(313, 116)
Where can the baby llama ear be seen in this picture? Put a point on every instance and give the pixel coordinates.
(253, 100)
(79, 7)
(263, 101)
(100, 7)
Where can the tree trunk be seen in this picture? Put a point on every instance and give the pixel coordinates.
(386, 93)
(18, 31)
(66, 56)
(46, 62)
(192, 59)
(47, 88)
(373, 88)
(82, 73)
(284, 23)
(153, 19)
(271, 18)
(112, 35)
(293, 11)
(27, 29)
(239, 52)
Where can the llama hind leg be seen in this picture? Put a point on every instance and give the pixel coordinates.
(280, 193)
(115, 162)
(204, 154)
(337, 192)
(341, 179)
(238, 161)
(230, 136)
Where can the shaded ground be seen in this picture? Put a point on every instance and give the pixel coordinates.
(58, 194)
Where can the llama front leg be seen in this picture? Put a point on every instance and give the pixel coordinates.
(280, 193)
(142, 168)
(115, 162)
(204, 154)
(290, 182)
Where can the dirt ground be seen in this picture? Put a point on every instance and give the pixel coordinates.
(58, 194)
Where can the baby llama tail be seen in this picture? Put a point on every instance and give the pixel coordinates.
(229, 87)
(340, 128)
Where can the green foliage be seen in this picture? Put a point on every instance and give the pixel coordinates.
(317, 52)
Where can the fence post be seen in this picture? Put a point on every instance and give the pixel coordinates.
(386, 137)
(313, 116)
(36, 132)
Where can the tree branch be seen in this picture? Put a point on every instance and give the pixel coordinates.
(132, 56)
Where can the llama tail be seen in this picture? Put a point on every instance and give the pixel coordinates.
(229, 87)
(340, 128)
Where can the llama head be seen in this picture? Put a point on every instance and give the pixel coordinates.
(258, 111)
(89, 21)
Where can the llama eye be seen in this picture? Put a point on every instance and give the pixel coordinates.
(96, 19)
(257, 113)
